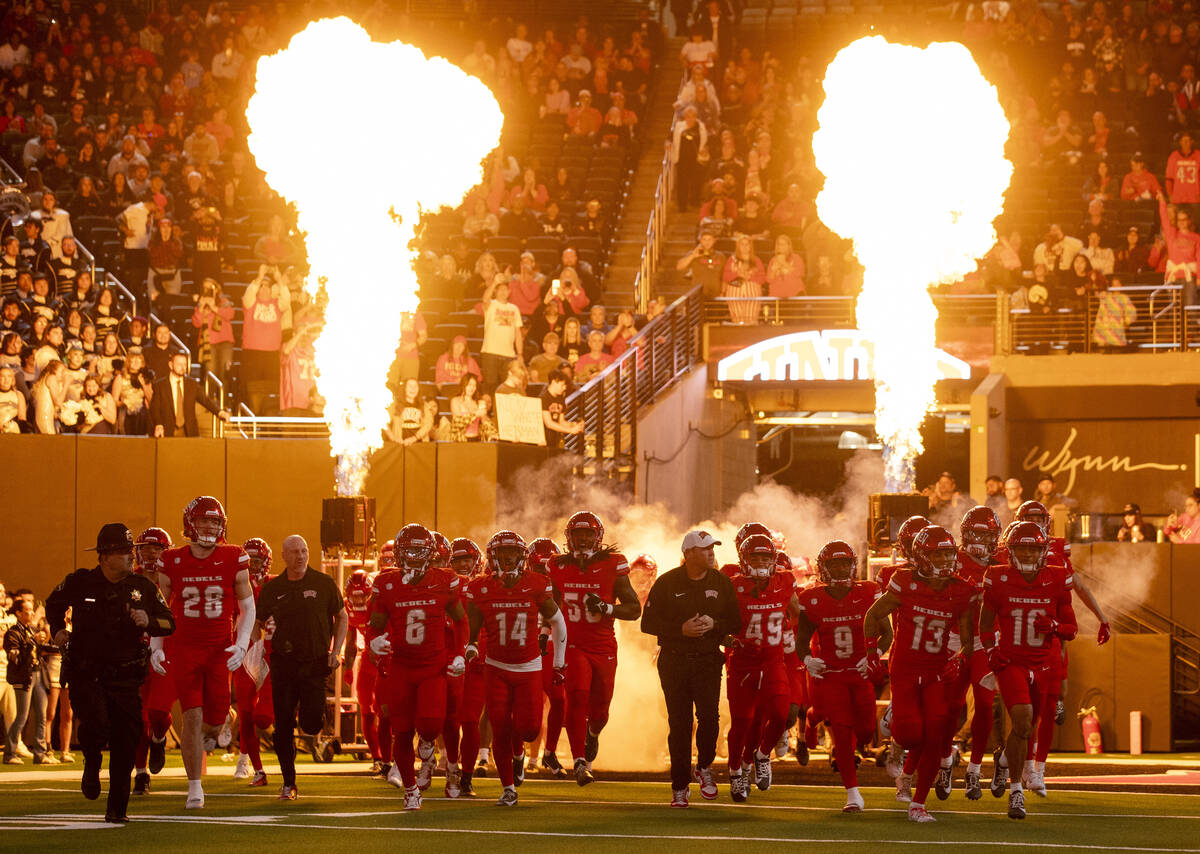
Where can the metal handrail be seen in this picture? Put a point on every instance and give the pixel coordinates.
(651, 250)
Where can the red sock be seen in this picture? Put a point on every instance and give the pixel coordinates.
(160, 722)
(928, 764)
(739, 728)
(370, 725)
(843, 752)
(981, 723)
(405, 757)
(1045, 730)
(577, 721)
(385, 737)
(450, 738)
(910, 761)
(141, 751)
(248, 740)
(469, 746)
(554, 721)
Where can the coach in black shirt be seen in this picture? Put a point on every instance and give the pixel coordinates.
(691, 609)
(302, 613)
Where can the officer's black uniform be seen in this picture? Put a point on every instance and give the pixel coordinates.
(105, 663)
(690, 668)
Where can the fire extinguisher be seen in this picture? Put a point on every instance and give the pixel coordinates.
(1089, 725)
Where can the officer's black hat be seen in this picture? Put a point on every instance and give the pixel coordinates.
(113, 537)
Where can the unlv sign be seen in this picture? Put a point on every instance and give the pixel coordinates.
(828, 354)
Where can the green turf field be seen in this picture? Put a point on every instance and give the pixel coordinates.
(343, 813)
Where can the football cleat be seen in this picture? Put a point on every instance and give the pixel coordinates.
(591, 747)
(452, 777)
(373, 771)
(944, 782)
(738, 786)
(974, 790)
(225, 733)
(260, 779)
(288, 793)
(999, 774)
(583, 774)
(518, 771)
(801, 751)
(508, 798)
(918, 813)
(466, 789)
(550, 763)
(481, 767)
(196, 802)
(141, 783)
(242, 771)
(425, 772)
(412, 799)
(1037, 783)
(762, 771)
(854, 802)
(781, 747)
(679, 799)
(1060, 712)
(895, 760)
(1016, 804)
(385, 768)
(904, 788)
(394, 777)
(708, 786)
(208, 744)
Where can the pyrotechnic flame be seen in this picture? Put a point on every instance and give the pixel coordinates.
(419, 130)
(911, 143)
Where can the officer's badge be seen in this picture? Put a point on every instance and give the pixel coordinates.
(135, 595)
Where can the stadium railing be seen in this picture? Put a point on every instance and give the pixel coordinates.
(644, 283)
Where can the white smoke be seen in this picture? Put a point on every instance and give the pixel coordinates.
(1120, 576)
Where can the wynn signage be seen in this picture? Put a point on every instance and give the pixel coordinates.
(828, 354)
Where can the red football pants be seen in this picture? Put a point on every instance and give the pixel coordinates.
(556, 696)
(470, 710)
(366, 681)
(201, 680)
(514, 705)
(758, 709)
(256, 708)
(920, 711)
(158, 695)
(846, 703)
(591, 678)
(415, 703)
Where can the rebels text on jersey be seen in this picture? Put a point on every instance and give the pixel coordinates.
(838, 638)
(586, 631)
(415, 616)
(202, 593)
(764, 620)
(1018, 604)
(923, 621)
(511, 618)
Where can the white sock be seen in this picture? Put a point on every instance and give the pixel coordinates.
(759, 755)
(140, 771)
(451, 766)
(1028, 764)
(1003, 759)
(195, 789)
(972, 768)
(914, 805)
(947, 761)
(483, 754)
(1015, 787)
(737, 773)
(852, 792)
(510, 788)
(1040, 767)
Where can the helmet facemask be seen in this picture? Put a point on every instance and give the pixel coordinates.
(1028, 558)
(508, 562)
(980, 545)
(413, 561)
(583, 542)
(208, 531)
(838, 572)
(759, 565)
(938, 563)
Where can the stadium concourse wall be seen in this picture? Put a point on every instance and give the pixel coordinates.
(63, 488)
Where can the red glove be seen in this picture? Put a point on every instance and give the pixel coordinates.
(560, 676)
(1045, 625)
(954, 667)
(1104, 635)
(876, 670)
(997, 660)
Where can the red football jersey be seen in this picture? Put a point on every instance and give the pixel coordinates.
(203, 599)
(416, 616)
(358, 613)
(1058, 552)
(885, 574)
(1018, 602)
(511, 617)
(839, 640)
(586, 631)
(924, 619)
(764, 620)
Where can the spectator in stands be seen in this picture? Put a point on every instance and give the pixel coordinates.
(792, 211)
(785, 270)
(165, 255)
(486, 271)
(56, 223)
(584, 119)
(414, 332)
(1101, 258)
(201, 148)
(1100, 185)
(1047, 493)
(274, 248)
(1134, 256)
(554, 400)
(1115, 313)
(97, 410)
(1182, 244)
(689, 139)
(620, 124)
(1135, 529)
(525, 287)
(12, 402)
(578, 67)
(1183, 169)
(1062, 142)
(558, 99)
(412, 416)
(518, 221)
(752, 221)
(618, 340)
(587, 277)
(743, 278)
(698, 49)
(268, 312)
(553, 225)
(574, 343)
(455, 364)
(481, 222)
(516, 379)
(132, 389)
(1057, 251)
(128, 157)
(946, 504)
(1139, 184)
(593, 222)
(718, 222)
(1096, 220)
(541, 366)
(597, 322)
(1184, 528)
(704, 265)
(566, 294)
(469, 418)
(595, 360)
(994, 486)
(502, 339)
(174, 398)
(49, 394)
(136, 224)
(213, 320)
(531, 190)
(158, 355)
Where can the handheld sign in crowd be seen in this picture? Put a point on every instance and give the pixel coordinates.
(519, 419)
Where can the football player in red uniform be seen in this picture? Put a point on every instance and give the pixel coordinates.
(842, 661)
(591, 584)
(204, 582)
(643, 569)
(979, 533)
(506, 604)
(928, 600)
(909, 529)
(409, 609)
(454, 693)
(252, 685)
(365, 679)
(1026, 605)
(797, 675)
(540, 552)
(158, 691)
(467, 562)
(756, 682)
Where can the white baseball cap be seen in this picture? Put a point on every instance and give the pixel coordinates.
(699, 540)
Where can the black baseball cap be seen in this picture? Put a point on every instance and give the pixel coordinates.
(1132, 508)
(113, 537)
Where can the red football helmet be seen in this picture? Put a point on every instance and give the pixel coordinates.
(149, 545)
(748, 529)
(258, 551)
(934, 552)
(358, 588)
(836, 564)
(1035, 512)
(756, 556)
(779, 540)
(645, 563)
(465, 558)
(783, 563)
(387, 556)
(204, 507)
(980, 533)
(506, 554)
(441, 547)
(908, 532)
(585, 534)
(1027, 546)
(414, 551)
(540, 552)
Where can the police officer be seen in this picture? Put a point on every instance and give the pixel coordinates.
(692, 609)
(105, 657)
